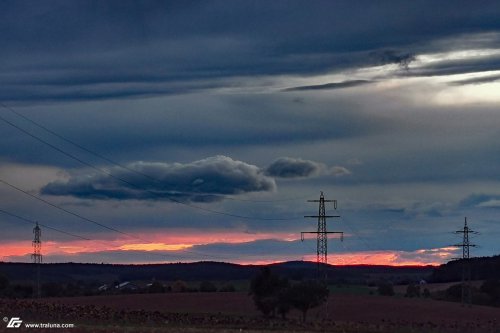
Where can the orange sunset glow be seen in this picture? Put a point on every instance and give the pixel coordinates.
(175, 244)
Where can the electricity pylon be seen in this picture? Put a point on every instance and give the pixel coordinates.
(322, 234)
(37, 259)
(466, 266)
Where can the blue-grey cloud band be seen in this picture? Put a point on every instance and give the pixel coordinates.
(200, 181)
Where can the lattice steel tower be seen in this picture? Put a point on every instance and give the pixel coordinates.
(37, 259)
(322, 233)
(466, 267)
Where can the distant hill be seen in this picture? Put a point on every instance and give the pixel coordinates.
(482, 268)
(199, 271)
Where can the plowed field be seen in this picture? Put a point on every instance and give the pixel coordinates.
(235, 312)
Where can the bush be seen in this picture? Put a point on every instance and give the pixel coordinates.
(21, 291)
(207, 286)
(179, 286)
(454, 292)
(156, 287)
(492, 289)
(413, 290)
(4, 283)
(52, 289)
(228, 288)
(385, 289)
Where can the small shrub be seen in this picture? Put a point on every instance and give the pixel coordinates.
(156, 287)
(228, 288)
(385, 289)
(453, 293)
(492, 289)
(413, 290)
(52, 289)
(4, 282)
(179, 286)
(207, 286)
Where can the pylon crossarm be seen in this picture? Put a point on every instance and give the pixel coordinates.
(341, 233)
(317, 216)
(306, 232)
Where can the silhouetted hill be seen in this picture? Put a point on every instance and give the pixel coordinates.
(106, 273)
(482, 268)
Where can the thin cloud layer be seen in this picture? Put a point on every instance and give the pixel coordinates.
(476, 80)
(333, 85)
(481, 201)
(339, 171)
(202, 181)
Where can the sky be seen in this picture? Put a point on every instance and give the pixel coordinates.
(180, 131)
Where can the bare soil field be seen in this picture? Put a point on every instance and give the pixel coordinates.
(235, 312)
(433, 287)
(340, 307)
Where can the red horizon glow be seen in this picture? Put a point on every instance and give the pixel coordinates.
(175, 244)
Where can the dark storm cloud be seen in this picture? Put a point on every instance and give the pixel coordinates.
(69, 50)
(393, 57)
(287, 167)
(334, 85)
(202, 181)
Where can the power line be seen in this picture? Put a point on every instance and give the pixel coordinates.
(102, 242)
(43, 225)
(137, 186)
(260, 201)
(92, 221)
(357, 234)
(118, 178)
(107, 159)
(73, 142)
(63, 209)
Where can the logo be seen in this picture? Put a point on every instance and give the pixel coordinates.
(15, 322)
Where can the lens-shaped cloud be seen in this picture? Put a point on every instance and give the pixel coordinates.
(202, 181)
